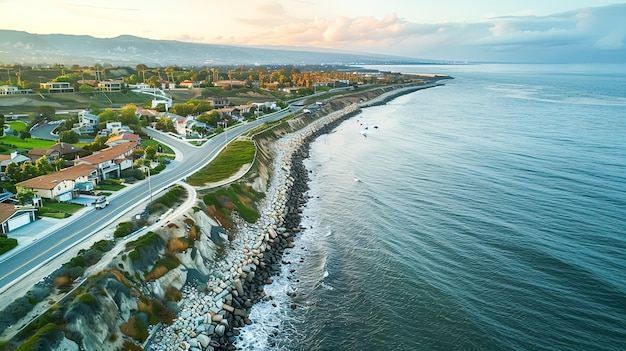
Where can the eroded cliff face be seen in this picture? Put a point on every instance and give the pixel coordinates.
(122, 303)
(226, 273)
(94, 317)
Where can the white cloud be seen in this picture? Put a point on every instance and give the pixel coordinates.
(502, 38)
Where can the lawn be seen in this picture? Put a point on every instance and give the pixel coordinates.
(18, 126)
(110, 187)
(27, 143)
(226, 164)
(150, 142)
(59, 209)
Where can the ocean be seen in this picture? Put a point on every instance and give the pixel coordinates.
(486, 214)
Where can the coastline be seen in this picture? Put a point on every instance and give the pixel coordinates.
(210, 320)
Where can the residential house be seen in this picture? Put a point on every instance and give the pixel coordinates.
(12, 90)
(12, 217)
(139, 86)
(124, 138)
(232, 83)
(87, 123)
(110, 161)
(268, 105)
(14, 157)
(218, 102)
(8, 197)
(149, 114)
(55, 152)
(238, 111)
(165, 84)
(111, 85)
(290, 90)
(57, 87)
(194, 128)
(186, 83)
(61, 185)
(115, 128)
(190, 84)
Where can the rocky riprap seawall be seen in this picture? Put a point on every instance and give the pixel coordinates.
(209, 318)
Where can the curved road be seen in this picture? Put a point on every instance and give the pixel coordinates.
(188, 160)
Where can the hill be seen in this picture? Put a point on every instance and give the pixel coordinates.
(18, 47)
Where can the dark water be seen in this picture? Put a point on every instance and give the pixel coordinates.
(488, 214)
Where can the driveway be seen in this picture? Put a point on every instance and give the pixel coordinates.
(45, 131)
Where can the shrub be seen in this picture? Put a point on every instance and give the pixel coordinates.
(177, 245)
(194, 233)
(44, 339)
(130, 346)
(135, 329)
(62, 282)
(7, 244)
(123, 229)
(173, 294)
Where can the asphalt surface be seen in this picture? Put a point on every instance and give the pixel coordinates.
(37, 259)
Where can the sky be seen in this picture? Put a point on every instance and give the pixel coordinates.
(461, 30)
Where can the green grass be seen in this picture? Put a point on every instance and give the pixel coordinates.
(151, 142)
(18, 126)
(56, 215)
(48, 335)
(226, 164)
(7, 244)
(110, 187)
(27, 143)
(58, 210)
(242, 197)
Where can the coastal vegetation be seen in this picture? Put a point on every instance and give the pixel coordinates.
(236, 155)
(152, 255)
(7, 244)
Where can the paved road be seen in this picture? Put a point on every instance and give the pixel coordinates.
(45, 130)
(79, 230)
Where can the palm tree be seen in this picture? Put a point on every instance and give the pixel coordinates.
(141, 68)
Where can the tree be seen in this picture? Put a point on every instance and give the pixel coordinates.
(43, 165)
(100, 141)
(46, 111)
(108, 115)
(209, 118)
(14, 172)
(59, 164)
(25, 197)
(94, 108)
(1, 124)
(138, 153)
(29, 170)
(165, 124)
(150, 152)
(86, 88)
(128, 115)
(24, 134)
(68, 136)
(141, 69)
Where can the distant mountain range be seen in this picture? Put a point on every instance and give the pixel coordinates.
(17, 47)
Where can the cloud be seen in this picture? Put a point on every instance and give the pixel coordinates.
(588, 32)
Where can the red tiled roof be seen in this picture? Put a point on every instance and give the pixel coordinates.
(49, 181)
(110, 153)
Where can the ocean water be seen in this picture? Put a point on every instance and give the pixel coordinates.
(487, 214)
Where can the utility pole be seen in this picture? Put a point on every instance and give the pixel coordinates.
(149, 184)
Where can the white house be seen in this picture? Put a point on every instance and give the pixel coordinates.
(86, 123)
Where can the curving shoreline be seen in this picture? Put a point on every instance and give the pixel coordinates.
(209, 321)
